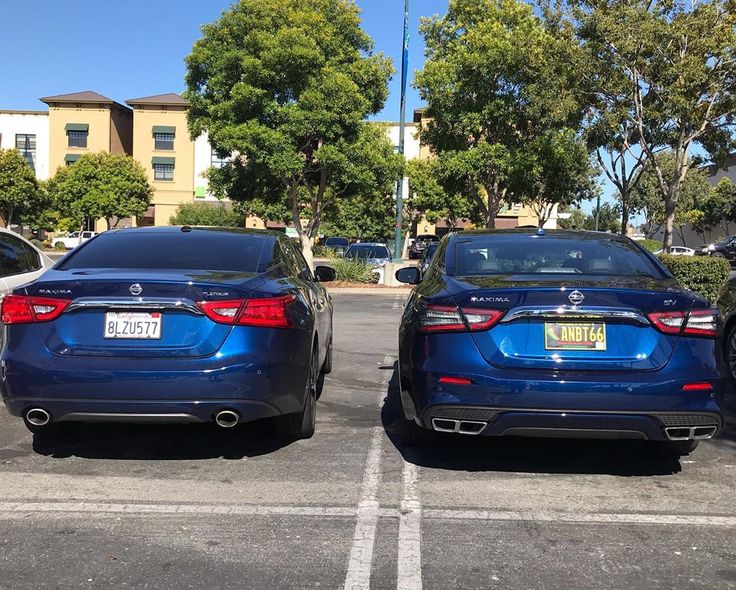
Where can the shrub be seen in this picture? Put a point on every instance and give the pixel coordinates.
(37, 243)
(208, 214)
(651, 245)
(352, 271)
(322, 251)
(701, 274)
(60, 246)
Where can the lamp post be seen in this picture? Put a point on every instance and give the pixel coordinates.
(398, 249)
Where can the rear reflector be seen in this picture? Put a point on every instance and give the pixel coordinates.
(268, 312)
(698, 322)
(455, 380)
(442, 318)
(697, 387)
(22, 309)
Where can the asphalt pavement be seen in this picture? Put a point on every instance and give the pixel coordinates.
(192, 506)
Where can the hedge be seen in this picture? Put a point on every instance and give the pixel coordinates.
(702, 274)
(651, 245)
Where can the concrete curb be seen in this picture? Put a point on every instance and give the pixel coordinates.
(369, 291)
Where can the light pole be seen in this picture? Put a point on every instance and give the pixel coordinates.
(398, 247)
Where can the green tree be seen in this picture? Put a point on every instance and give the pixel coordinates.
(102, 185)
(608, 219)
(676, 60)
(646, 198)
(717, 209)
(210, 214)
(576, 219)
(434, 195)
(19, 189)
(494, 81)
(286, 85)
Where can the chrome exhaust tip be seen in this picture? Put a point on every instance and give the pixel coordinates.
(38, 417)
(469, 427)
(227, 419)
(690, 432)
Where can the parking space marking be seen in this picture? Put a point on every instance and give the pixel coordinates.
(399, 301)
(358, 576)
(585, 518)
(15, 509)
(410, 532)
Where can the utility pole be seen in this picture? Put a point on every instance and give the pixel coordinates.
(398, 245)
(598, 211)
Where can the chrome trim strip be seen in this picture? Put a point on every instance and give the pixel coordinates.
(135, 303)
(575, 312)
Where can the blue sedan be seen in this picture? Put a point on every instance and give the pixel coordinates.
(558, 334)
(173, 324)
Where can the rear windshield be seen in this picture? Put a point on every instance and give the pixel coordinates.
(368, 252)
(195, 250)
(336, 242)
(524, 254)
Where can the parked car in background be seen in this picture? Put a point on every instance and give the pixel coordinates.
(678, 251)
(337, 244)
(725, 248)
(427, 257)
(374, 254)
(73, 239)
(727, 306)
(558, 334)
(157, 325)
(416, 250)
(20, 261)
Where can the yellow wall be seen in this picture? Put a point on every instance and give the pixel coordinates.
(98, 139)
(168, 194)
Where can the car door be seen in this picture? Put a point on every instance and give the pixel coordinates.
(20, 263)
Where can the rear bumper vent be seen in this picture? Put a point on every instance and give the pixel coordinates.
(688, 420)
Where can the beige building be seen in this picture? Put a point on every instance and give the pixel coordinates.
(161, 143)
(86, 122)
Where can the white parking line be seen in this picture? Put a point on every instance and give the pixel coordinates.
(399, 301)
(358, 576)
(585, 518)
(410, 532)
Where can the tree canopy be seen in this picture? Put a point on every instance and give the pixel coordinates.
(208, 214)
(285, 86)
(101, 185)
(19, 189)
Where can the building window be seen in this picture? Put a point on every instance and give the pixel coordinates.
(26, 145)
(163, 141)
(77, 139)
(163, 172)
(217, 161)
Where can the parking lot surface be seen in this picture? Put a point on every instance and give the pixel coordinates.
(193, 506)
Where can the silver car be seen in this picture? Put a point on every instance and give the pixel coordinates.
(20, 261)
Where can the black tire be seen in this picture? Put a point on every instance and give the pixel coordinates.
(718, 255)
(730, 346)
(301, 425)
(679, 448)
(327, 365)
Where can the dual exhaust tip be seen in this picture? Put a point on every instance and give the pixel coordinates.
(690, 432)
(223, 418)
(470, 427)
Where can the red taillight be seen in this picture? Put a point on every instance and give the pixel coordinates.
(698, 322)
(697, 387)
(22, 309)
(443, 318)
(455, 380)
(269, 312)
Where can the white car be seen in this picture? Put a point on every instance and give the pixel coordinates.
(73, 239)
(20, 261)
(678, 251)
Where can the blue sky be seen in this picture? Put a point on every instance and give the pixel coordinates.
(137, 48)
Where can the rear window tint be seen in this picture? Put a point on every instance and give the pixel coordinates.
(195, 250)
(368, 252)
(550, 255)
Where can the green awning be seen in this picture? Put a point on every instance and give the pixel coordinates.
(72, 157)
(76, 127)
(163, 129)
(163, 160)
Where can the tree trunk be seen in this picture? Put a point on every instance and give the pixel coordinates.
(307, 244)
(624, 212)
(405, 249)
(670, 206)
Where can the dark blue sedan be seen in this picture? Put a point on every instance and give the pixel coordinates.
(558, 334)
(171, 324)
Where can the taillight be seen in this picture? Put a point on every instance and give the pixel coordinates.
(268, 312)
(22, 309)
(443, 318)
(698, 322)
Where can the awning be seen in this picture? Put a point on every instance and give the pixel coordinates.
(163, 160)
(72, 157)
(76, 127)
(163, 129)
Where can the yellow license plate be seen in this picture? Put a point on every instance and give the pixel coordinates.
(575, 336)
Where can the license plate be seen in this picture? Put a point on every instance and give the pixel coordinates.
(575, 336)
(133, 325)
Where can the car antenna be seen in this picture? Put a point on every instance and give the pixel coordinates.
(186, 228)
(541, 232)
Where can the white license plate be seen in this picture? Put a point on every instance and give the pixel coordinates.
(134, 325)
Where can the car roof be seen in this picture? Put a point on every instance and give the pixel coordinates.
(368, 244)
(557, 233)
(171, 229)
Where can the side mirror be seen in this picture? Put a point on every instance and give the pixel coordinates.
(324, 274)
(409, 275)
